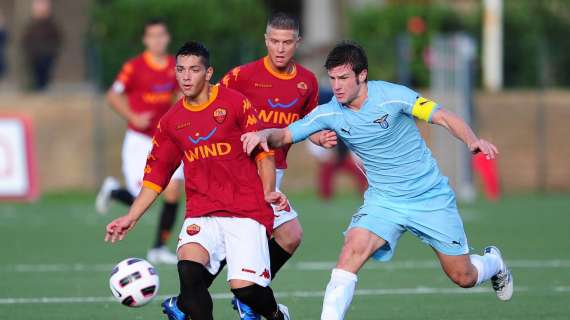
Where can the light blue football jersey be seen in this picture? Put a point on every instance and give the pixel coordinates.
(383, 133)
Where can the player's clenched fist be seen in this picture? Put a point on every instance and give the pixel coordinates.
(118, 228)
(278, 199)
(327, 139)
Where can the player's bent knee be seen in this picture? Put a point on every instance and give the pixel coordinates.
(352, 257)
(289, 236)
(194, 252)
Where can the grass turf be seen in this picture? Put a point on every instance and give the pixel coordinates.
(54, 249)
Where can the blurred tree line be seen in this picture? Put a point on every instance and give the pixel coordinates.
(232, 30)
(536, 42)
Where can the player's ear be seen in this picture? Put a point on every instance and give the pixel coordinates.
(209, 73)
(298, 42)
(363, 75)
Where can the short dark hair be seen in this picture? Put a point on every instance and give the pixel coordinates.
(283, 21)
(347, 52)
(195, 48)
(154, 22)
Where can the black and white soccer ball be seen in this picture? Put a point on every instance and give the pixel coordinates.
(134, 282)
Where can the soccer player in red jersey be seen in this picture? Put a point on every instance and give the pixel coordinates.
(282, 91)
(228, 212)
(142, 93)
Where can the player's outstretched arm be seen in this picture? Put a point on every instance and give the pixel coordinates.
(274, 138)
(118, 228)
(459, 128)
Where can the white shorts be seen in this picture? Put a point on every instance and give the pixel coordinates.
(241, 241)
(136, 148)
(284, 215)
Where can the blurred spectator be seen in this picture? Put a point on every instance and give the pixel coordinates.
(3, 39)
(41, 43)
(333, 161)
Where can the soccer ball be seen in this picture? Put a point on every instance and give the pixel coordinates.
(134, 282)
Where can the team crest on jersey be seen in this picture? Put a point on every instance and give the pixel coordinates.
(220, 115)
(383, 121)
(193, 229)
(303, 88)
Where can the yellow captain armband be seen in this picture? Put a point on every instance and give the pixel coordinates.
(423, 108)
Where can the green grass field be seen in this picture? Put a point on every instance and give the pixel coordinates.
(55, 265)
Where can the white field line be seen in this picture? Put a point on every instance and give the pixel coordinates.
(287, 294)
(299, 266)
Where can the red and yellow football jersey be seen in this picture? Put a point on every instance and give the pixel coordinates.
(220, 179)
(280, 98)
(148, 87)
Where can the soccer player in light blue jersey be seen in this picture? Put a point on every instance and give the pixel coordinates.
(407, 191)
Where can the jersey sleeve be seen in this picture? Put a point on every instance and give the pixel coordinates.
(162, 161)
(319, 119)
(416, 105)
(233, 79)
(124, 80)
(313, 100)
(248, 119)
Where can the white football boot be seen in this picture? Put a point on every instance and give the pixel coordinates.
(503, 281)
(285, 311)
(161, 255)
(103, 200)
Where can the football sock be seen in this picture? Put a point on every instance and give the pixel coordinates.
(487, 266)
(166, 222)
(209, 278)
(123, 196)
(278, 257)
(338, 294)
(194, 299)
(259, 299)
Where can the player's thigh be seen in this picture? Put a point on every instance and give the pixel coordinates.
(200, 241)
(238, 283)
(136, 147)
(289, 234)
(247, 252)
(359, 245)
